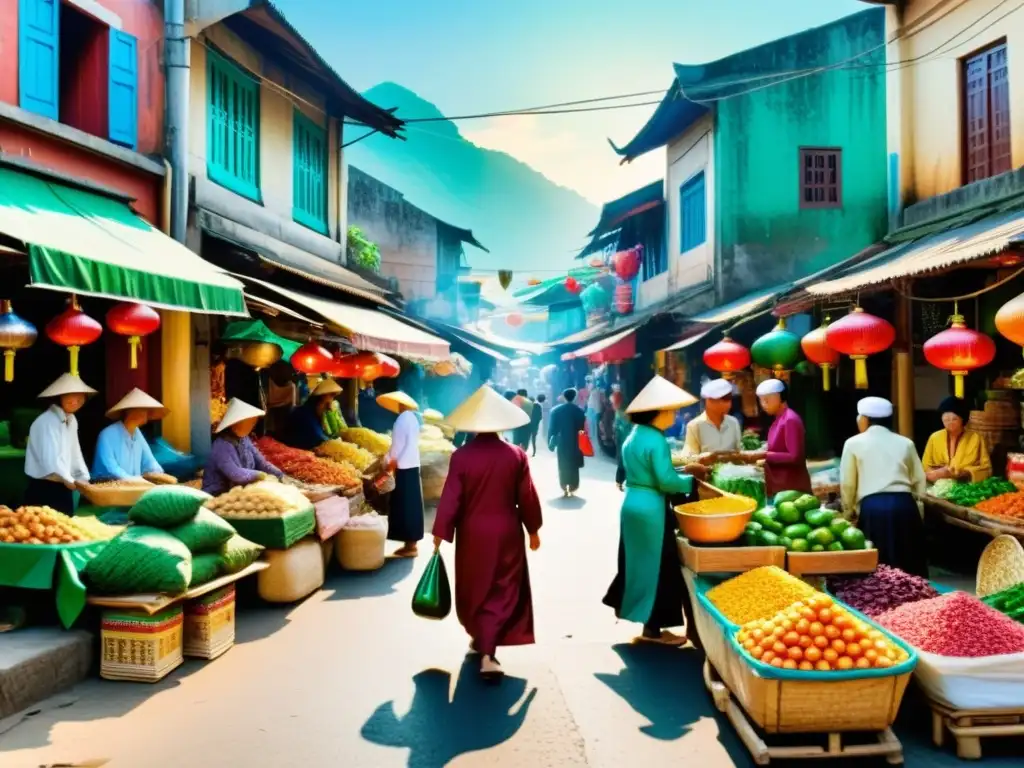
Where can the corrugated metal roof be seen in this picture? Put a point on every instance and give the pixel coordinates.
(946, 249)
(598, 346)
(689, 340)
(736, 309)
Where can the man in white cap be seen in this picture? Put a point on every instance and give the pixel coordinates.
(879, 474)
(53, 459)
(715, 431)
(785, 458)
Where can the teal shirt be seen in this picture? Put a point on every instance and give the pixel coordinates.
(647, 460)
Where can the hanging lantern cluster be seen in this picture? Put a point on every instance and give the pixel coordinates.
(365, 366)
(959, 350)
(627, 263)
(73, 329)
(15, 333)
(572, 285)
(504, 277)
(816, 349)
(312, 359)
(778, 350)
(727, 357)
(134, 321)
(860, 335)
(514, 320)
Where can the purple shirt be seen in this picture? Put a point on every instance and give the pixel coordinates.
(234, 462)
(785, 465)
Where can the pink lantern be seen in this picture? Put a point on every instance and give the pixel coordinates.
(627, 263)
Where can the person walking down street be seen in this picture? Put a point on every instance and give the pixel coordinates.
(785, 460)
(521, 436)
(595, 408)
(564, 438)
(878, 476)
(488, 500)
(405, 518)
(648, 587)
(536, 417)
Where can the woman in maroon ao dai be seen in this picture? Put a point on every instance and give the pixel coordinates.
(488, 507)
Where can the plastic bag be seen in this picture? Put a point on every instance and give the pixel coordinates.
(433, 596)
(142, 559)
(167, 506)
(205, 568)
(238, 553)
(586, 447)
(988, 682)
(204, 532)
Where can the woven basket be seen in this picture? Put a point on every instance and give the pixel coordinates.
(1001, 566)
(139, 647)
(360, 549)
(210, 624)
(293, 573)
(114, 495)
(385, 483)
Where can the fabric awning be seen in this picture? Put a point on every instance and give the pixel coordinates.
(83, 242)
(617, 343)
(689, 341)
(482, 348)
(369, 329)
(986, 237)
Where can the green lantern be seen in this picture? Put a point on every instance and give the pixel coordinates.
(778, 349)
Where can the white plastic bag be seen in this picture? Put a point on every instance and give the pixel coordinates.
(987, 682)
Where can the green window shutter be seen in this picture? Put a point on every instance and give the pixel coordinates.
(309, 174)
(232, 127)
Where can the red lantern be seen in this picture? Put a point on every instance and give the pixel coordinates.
(624, 298)
(572, 285)
(859, 335)
(627, 263)
(727, 357)
(958, 349)
(134, 321)
(1010, 320)
(312, 359)
(817, 350)
(366, 366)
(73, 329)
(514, 320)
(384, 368)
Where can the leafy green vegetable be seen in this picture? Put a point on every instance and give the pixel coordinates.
(972, 494)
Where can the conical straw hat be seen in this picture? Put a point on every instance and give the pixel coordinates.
(660, 395)
(487, 411)
(68, 384)
(392, 400)
(139, 399)
(238, 410)
(326, 387)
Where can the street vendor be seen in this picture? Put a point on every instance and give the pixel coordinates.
(121, 449)
(405, 518)
(54, 462)
(785, 460)
(307, 424)
(953, 452)
(715, 432)
(234, 458)
(878, 476)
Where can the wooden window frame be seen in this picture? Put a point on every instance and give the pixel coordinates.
(696, 179)
(968, 165)
(303, 128)
(218, 65)
(803, 185)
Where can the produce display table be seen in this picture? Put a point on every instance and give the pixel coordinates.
(50, 567)
(970, 519)
(968, 727)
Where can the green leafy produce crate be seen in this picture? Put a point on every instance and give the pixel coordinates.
(276, 532)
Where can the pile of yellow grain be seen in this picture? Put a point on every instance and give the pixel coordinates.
(758, 594)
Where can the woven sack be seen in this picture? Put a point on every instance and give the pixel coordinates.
(205, 568)
(203, 533)
(238, 553)
(141, 559)
(361, 549)
(293, 573)
(1000, 566)
(167, 506)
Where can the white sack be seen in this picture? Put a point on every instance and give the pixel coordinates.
(987, 682)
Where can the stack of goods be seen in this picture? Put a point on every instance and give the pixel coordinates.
(758, 593)
(332, 422)
(346, 453)
(360, 545)
(209, 628)
(46, 526)
(955, 624)
(307, 466)
(1015, 469)
(435, 456)
(271, 514)
(971, 494)
(1009, 507)
(139, 647)
(799, 523)
(743, 480)
(883, 590)
(374, 442)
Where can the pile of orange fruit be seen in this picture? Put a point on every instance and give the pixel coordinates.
(818, 634)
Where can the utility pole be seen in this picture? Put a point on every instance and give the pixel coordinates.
(176, 56)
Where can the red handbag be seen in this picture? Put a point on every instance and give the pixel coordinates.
(586, 447)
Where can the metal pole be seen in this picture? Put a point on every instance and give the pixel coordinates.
(176, 55)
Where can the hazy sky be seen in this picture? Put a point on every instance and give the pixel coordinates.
(472, 56)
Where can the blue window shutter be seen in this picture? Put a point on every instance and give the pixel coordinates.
(692, 213)
(232, 127)
(38, 50)
(309, 173)
(123, 93)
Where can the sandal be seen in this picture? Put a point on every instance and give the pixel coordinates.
(490, 669)
(665, 638)
(405, 552)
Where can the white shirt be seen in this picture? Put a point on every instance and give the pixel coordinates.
(405, 441)
(596, 396)
(53, 447)
(702, 436)
(879, 461)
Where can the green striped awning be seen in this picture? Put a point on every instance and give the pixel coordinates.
(82, 242)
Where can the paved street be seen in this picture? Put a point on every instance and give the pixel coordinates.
(351, 678)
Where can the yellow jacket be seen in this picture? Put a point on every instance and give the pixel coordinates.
(970, 456)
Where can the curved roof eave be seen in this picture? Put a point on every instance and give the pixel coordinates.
(673, 115)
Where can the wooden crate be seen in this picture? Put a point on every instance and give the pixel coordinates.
(728, 559)
(968, 727)
(139, 646)
(210, 624)
(820, 563)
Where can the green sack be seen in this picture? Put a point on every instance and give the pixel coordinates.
(203, 533)
(205, 568)
(238, 553)
(141, 559)
(168, 505)
(433, 596)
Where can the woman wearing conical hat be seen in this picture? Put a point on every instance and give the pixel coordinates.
(649, 587)
(488, 503)
(405, 517)
(121, 449)
(308, 424)
(53, 459)
(234, 458)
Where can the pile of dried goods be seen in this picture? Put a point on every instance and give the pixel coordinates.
(265, 499)
(374, 442)
(817, 634)
(348, 453)
(1007, 505)
(306, 466)
(442, 446)
(955, 624)
(880, 591)
(43, 525)
(758, 594)
(217, 410)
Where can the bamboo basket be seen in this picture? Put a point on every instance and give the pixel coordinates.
(141, 647)
(114, 495)
(210, 624)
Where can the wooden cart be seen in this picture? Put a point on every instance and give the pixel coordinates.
(969, 726)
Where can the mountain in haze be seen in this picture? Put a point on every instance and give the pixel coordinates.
(525, 220)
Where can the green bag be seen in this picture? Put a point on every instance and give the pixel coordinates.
(203, 533)
(238, 553)
(205, 568)
(167, 506)
(141, 559)
(433, 596)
